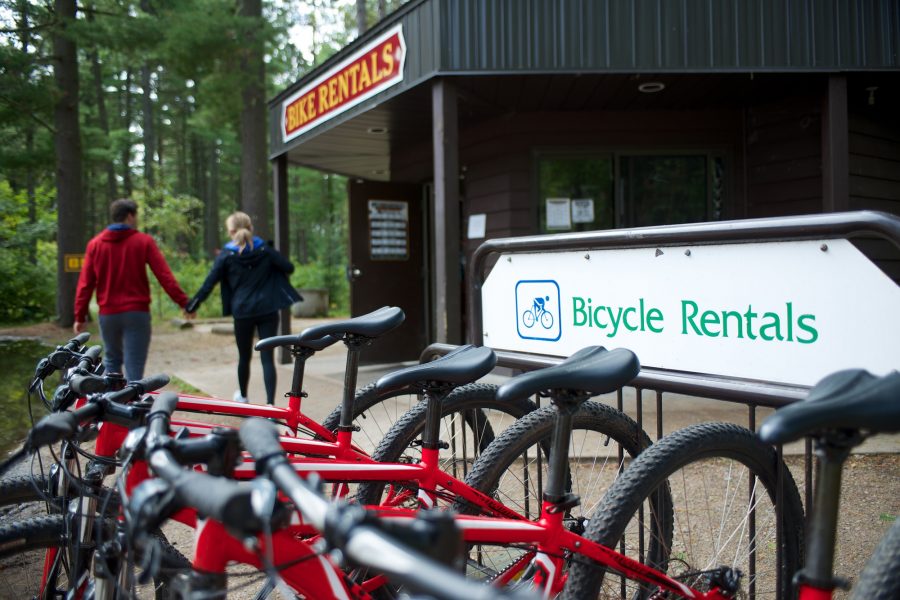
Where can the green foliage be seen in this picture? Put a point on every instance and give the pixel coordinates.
(172, 219)
(27, 256)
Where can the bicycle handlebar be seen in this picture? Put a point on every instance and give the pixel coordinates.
(364, 543)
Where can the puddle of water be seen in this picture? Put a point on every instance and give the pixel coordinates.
(18, 358)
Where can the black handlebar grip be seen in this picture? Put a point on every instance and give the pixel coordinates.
(90, 357)
(78, 341)
(222, 499)
(51, 429)
(165, 403)
(136, 388)
(88, 384)
(260, 438)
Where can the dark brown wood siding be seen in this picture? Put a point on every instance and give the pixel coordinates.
(784, 158)
(874, 148)
(874, 164)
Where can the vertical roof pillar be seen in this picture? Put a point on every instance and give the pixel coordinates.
(835, 146)
(447, 278)
(282, 242)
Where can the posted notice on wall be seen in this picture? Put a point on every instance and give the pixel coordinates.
(582, 210)
(477, 226)
(559, 214)
(388, 230)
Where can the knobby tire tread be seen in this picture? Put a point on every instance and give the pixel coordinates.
(880, 578)
(652, 468)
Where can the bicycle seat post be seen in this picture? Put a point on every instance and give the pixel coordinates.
(567, 403)
(354, 345)
(832, 449)
(300, 355)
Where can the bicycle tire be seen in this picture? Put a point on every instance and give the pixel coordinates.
(19, 539)
(506, 471)
(468, 402)
(699, 450)
(880, 578)
(18, 489)
(374, 412)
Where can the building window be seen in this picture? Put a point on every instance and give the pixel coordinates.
(575, 193)
(581, 193)
(660, 190)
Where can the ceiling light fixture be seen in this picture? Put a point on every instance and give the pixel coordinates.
(651, 87)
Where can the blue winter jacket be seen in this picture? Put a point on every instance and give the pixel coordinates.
(253, 282)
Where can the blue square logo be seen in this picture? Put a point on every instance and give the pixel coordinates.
(538, 310)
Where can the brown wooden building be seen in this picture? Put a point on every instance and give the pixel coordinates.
(460, 120)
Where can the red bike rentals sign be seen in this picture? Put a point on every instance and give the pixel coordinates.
(373, 69)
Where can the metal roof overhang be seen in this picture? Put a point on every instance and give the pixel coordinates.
(538, 55)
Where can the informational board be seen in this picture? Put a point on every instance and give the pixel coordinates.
(388, 230)
(785, 312)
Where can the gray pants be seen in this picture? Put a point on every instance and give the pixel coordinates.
(126, 335)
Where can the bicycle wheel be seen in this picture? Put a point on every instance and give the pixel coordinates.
(23, 488)
(880, 578)
(715, 472)
(35, 550)
(374, 413)
(471, 418)
(514, 468)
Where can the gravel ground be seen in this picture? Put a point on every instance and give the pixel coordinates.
(870, 498)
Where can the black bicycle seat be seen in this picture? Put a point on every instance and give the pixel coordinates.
(593, 369)
(850, 400)
(370, 325)
(463, 365)
(276, 341)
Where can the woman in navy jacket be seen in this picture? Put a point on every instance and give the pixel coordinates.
(254, 286)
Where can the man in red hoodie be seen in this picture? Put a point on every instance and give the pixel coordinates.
(115, 265)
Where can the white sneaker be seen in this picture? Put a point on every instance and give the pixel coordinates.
(239, 398)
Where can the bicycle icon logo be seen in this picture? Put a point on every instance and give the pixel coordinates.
(538, 310)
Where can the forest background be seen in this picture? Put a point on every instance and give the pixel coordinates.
(163, 101)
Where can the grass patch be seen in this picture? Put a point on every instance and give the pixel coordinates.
(184, 387)
(887, 518)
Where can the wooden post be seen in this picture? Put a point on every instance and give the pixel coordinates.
(835, 146)
(448, 282)
(282, 239)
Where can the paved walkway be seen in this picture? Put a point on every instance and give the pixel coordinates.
(324, 375)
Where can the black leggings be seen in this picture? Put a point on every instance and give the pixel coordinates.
(267, 325)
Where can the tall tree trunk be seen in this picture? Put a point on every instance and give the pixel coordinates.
(361, 24)
(25, 38)
(382, 9)
(254, 183)
(126, 125)
(67, 144)
(211, 222)
(148, 123)
(102, 117)
(182, 144)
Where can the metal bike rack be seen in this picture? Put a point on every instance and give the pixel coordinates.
(753, 394)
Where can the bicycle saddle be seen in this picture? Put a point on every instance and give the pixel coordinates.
(851, 399)
(593, 369)
(277, 341)
(370, 325)
(463, 365)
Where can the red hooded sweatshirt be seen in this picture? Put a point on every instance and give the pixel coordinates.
(115, 265)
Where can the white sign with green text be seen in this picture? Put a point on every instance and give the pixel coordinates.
(788, 312)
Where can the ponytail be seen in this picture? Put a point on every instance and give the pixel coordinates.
(240, 228)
